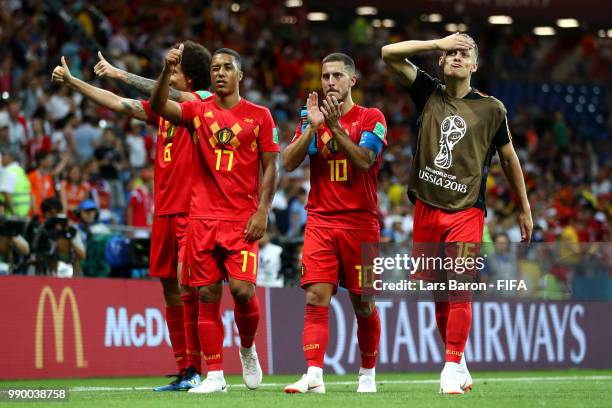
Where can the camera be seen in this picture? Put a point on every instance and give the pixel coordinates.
(11, 227)
(57, 227)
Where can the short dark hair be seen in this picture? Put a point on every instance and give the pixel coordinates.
(41, 155)
(196, 64)
(231, 52)
(51, 203)
(341, 57)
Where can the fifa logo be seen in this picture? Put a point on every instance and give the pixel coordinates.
(58, 318)
(452, 130)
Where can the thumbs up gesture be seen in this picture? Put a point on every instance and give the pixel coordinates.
(61, 74)
(174, 57)
(104, 68)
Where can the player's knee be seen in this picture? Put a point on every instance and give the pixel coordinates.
(188, 291)
(242, 292)
(316, 296)
(209, 294)
(364, 309)
(172, 293)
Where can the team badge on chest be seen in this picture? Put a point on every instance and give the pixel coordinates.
(333, 147)
(225, 135)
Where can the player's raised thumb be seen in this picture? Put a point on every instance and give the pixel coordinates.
(101, 56)
(181, 47)
(64, 63)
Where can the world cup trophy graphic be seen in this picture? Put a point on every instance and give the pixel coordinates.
(452, 130)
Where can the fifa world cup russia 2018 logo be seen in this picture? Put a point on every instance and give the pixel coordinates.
(452, 130)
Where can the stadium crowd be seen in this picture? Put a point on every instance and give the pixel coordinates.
(95, 165)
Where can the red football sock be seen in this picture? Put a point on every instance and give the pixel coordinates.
(190, 321)
(246, 316)
(457, 330)
(368, 334)
(174, 319)
(442, 309)
(210, 330)
(315, 335)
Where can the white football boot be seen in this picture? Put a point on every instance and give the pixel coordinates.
(367, 380)
(251, 370)
(467, 386)
(214, 382)
(453, 379)
(312, 381)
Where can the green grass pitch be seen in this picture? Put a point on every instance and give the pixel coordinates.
(570, 388)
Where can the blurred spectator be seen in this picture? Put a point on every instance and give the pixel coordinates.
(42, 178)
(297, 213)
(561, 132)
(503, 264)
(74, 190)
(40, 142)
(56, 246)
(100, 189)
(86, 138)
(140, 208)
(110, 163)
(18, 131)
(13, 245)
(137, 145)
(87, 213)
(269, 267)
(95, 237)
(14, 185)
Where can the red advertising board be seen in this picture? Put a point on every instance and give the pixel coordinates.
(97, 327)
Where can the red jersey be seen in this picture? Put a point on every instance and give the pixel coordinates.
(225, 180)
(172, 167)
(141, 202)
(340, 195)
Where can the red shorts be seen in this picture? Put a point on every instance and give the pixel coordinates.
(337, 256)
(216, 250)
(446, 234)
(168, 242)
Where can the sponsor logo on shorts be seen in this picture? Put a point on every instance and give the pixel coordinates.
(315, 346)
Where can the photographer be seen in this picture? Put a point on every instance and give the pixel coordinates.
(57, 249)
(12, 245)
(87, 212)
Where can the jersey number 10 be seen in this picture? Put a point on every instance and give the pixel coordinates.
(337, 170)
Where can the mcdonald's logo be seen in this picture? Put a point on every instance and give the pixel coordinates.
(57, 313)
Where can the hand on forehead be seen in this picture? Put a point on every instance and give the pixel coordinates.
(468, 38)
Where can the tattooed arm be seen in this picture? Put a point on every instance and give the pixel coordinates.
(132, 107)
(104, 68)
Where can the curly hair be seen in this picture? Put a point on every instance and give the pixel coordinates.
(196, 64)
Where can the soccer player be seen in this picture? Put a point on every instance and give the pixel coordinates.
(344, 142)
(171, 200)
(460, 129)
(229, 208)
